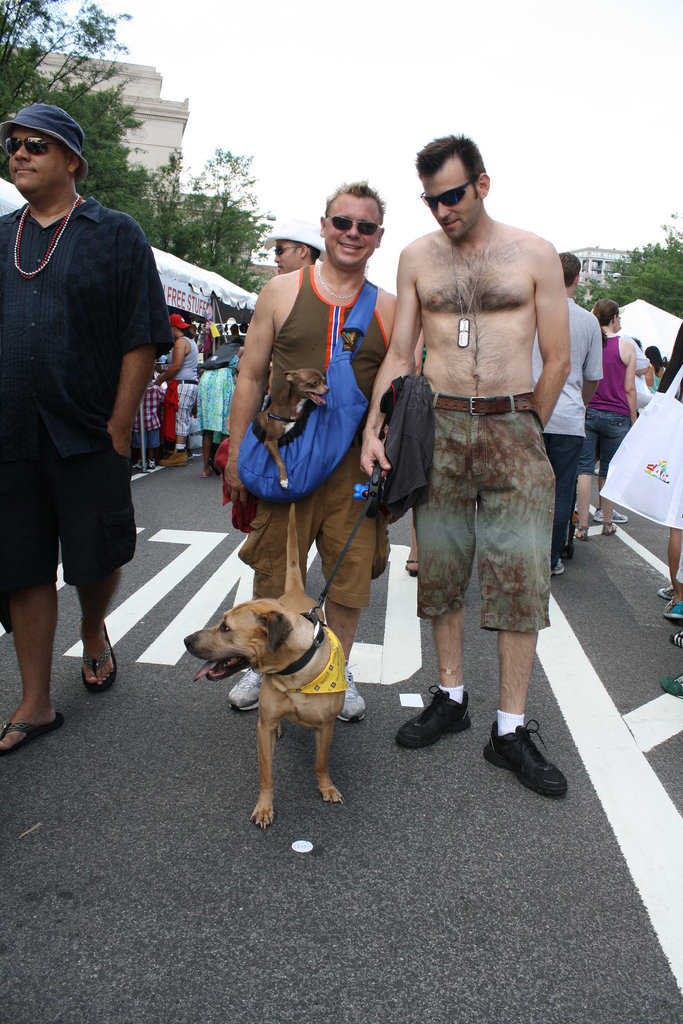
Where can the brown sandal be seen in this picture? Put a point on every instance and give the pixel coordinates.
(609, 529)
(581, 533)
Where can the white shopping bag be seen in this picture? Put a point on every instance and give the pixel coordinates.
(646, 473)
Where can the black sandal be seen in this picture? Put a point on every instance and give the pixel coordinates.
(412, 561)
(94, 663)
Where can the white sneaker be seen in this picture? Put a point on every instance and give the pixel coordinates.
(244, 696)
(354, 705)
(558, 569)
(666, 592)
(617, 517)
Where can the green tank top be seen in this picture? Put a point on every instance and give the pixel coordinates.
(305, 338)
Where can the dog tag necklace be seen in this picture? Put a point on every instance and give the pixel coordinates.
(464, 323)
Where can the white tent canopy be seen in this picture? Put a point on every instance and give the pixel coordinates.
(650, 324)
(186, 287)
(190, 289)
(10, 197)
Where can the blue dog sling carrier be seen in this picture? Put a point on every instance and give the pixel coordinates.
(318, 441)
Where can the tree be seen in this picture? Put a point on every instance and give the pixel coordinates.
(214, 222)
(30, 30)
(84, 43)
(653, 272)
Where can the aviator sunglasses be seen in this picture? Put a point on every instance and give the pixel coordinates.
(451, 197)
(33, 146)
(365, 227)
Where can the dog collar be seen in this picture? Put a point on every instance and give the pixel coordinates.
(332, 679)
(281, 419)
(318, 637)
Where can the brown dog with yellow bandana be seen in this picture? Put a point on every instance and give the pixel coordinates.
(302, 663)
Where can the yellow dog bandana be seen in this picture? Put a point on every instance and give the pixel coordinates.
(332, 679)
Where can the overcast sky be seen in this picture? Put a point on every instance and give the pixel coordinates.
(576, 106)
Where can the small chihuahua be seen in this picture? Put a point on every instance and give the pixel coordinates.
(283, 412)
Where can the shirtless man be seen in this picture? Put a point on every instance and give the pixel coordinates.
(293, 324)
(479, 290)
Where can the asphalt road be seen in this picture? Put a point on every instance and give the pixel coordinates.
(136, 888)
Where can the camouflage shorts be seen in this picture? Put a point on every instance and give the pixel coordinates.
(491, 485)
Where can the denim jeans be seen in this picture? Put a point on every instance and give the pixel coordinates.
(604, 433)
(563, 452)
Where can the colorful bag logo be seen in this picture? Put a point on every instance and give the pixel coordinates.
(658, 470)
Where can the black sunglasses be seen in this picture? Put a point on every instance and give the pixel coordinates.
(451, 197)
(365, 227)
(33, 146)
(279, 249)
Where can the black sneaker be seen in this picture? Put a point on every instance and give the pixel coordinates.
(443, 715)
(518, 752)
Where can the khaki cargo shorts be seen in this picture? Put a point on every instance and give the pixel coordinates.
(327, 518)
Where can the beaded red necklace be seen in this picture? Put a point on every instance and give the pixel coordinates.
(51, 247)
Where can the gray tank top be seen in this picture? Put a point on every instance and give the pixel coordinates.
(188, 371)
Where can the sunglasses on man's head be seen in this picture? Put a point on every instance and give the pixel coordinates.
(365, 227)
(451, 197)
(33, 146)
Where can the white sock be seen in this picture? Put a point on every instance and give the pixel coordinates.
(456, 693)
(507, 723)
(180, 447)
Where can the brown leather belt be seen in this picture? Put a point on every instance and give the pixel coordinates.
(481, 406)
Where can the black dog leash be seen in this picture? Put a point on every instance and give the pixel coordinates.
(372, 492)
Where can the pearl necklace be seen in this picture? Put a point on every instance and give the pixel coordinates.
(28, 274)
(328, 289)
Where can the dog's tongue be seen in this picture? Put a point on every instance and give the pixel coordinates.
(318, 399)
(204, 670)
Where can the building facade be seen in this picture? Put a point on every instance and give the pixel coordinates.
(596, 263)
(162, 121)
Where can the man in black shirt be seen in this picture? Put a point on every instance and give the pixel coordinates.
(82, 315)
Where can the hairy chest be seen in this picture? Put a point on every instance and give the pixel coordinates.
(493, 282)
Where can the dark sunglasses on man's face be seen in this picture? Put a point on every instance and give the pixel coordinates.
(451, 197)
(279, 249)
(365, 227)
(33, 146)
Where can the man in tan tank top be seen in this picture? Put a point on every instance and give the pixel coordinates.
(480, 290)
(293, 325)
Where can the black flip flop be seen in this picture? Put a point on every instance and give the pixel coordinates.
(411, 572)
(95, 663)
(31, 732)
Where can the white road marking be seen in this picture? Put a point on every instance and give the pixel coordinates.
(643, 552)
(656, 722)
(400, 656)
(644, 819)
(199, 544)
(203, 607)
